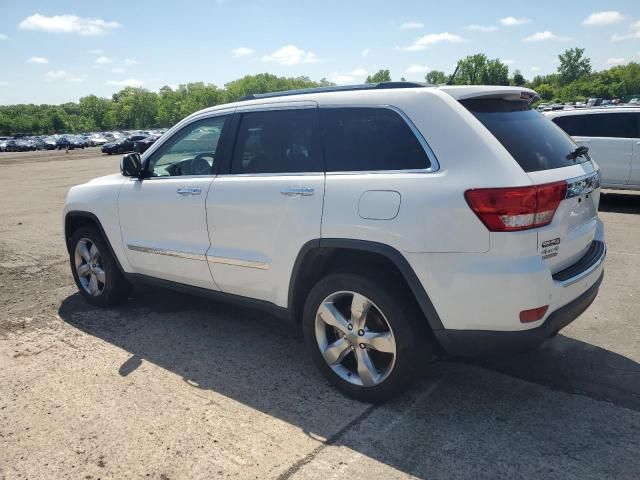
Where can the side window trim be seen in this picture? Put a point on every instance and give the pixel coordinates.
(177, 130)
(433, 168)
(234, 132)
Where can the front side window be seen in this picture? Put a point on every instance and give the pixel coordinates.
(369, 139)
(191, 151)
(279, 141)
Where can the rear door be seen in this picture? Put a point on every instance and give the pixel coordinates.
(634, 179)
(609, 136)
(269, 202)
(544, 152)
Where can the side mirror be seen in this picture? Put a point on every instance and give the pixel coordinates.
(131, 165)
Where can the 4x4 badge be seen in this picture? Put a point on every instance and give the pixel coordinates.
(550, 243)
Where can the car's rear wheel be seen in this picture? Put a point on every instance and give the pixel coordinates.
(95, 271)
(365, 336)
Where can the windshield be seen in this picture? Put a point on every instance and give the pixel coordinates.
(533, 141)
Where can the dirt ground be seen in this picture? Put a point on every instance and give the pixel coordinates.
(171, 386)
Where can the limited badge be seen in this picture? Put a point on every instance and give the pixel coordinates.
(550, 248)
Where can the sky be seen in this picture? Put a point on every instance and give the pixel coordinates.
(58, 51)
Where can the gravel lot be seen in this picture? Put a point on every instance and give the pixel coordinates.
(171, 386)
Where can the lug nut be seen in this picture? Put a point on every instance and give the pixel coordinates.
(350, 327)
(362, 345)
(361, 332)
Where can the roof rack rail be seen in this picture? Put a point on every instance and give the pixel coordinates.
(339, 88)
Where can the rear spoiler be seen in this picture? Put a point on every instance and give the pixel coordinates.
(465, 92)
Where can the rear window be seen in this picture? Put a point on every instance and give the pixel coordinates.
(531, 139)
(369, 139)
(610, 125)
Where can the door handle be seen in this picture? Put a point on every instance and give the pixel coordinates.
(297, 191)
(184, 191)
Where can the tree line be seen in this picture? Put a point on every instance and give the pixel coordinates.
(137, 108)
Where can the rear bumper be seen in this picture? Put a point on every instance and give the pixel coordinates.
(474, 343)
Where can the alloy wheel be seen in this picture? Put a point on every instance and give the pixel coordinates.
(89, 267)
(355, 338)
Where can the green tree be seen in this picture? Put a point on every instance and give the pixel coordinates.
(573, 65)
(479, 70)
(436, 77)
(379, 77)
(518, 79)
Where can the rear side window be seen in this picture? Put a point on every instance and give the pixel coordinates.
(281, 141)
(531, 139)
(612, 125)
(369, 139)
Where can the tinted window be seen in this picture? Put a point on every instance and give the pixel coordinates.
(282, 141)
(364, 139)
(191, 151)
(531, 139)
(614, 124)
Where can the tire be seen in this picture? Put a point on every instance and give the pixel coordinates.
(405, 328)
(112, 286)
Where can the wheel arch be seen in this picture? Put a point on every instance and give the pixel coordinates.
(319, 256)
(76, 219)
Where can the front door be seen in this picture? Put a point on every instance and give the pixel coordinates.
(269, 204)
(163, 216)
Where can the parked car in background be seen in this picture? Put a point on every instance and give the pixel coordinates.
(97, 140)
(612, 135)
(3, 144)
(123, 145)
(50, 143)
(19, 146)
(141, 146)
(70, 141)
(358, 212)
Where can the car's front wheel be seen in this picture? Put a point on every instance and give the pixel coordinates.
(95, 271)
(365, 336)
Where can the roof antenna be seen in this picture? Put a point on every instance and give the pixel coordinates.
(453, 75)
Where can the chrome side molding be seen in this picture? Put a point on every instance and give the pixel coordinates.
(238, 262)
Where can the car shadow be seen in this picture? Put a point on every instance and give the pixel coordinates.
(619, 202)
(260, 361)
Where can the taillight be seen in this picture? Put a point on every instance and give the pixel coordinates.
(516, 208)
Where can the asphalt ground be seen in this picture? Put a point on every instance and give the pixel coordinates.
(172, 386)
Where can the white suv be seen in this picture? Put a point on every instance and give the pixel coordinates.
(612, 135)
(393, 221)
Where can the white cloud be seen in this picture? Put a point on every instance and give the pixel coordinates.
(411, 25)
(96, 51)
(542, 36)
(427, 40)
(636, 34)
(359, 72)
(598, 19)
(291, 55)
(62, 75)
(67, 24)
(513, 21)
(241, 52)
(508, 61)
(40, 60)
(365, 52)
(535, 69)
(129, 82)
(616, 61)
(118, 70)
(417, 69)
(341, 78)
(104, 60)
(3, 37)
(129, 61)
(481, 28)
(4, 84)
